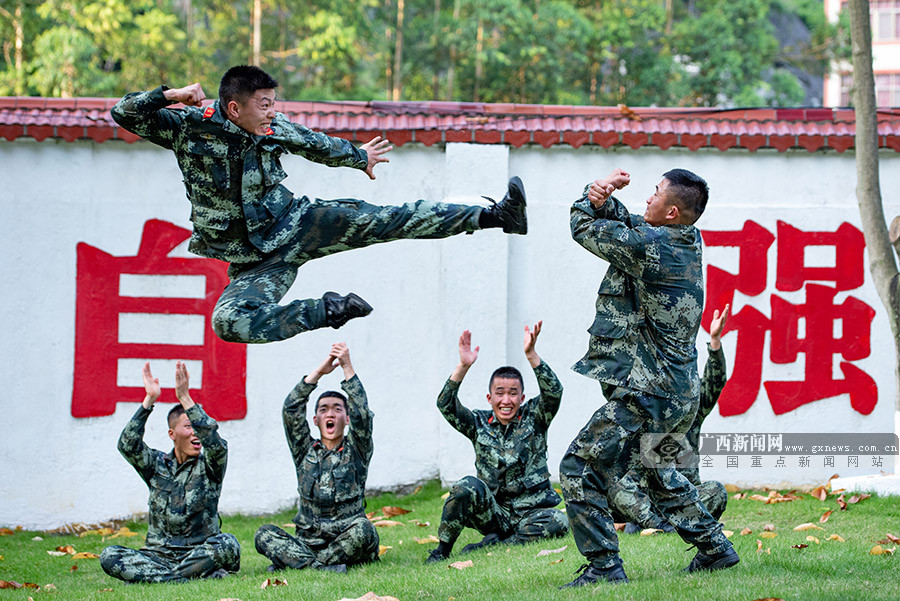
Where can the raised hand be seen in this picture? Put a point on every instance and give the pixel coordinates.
(151, 387)
(191, 95)
(467, 356)
(182, 385)
(341, 353)
(375, 148)
(717, 326)
(602, 189)
(531, 337)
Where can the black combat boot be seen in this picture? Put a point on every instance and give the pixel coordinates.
(717, 561)
(509, 213)
(341, 309)
(590, 575)
(487, 541)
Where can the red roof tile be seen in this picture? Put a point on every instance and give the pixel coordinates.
(813, 129)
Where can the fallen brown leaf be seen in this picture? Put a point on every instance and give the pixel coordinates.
(768, 534)
(66, 549)
(746, 531)
(97, 532)
(371, 515)
(84, 555)
(545, 552)
(48, 588)
(807, 526)
(800, 546)
(842, 503)
(650, 531)
(382, 549)
(420, 523)
(893, 538)
(557, 561)
(386, 524)
(9, 584)
(812, 539)
(769, 527)
(5, 532)
(273, 582)
(125, 532)
(462, 565)
(74, 568)
(825, 516)
(876, 550)
(732, 488)
(728, 533)
(820, 493)
(417, 490)
(619, 526)
(390, 511)
(759, 498)
(428, 539)
(836, 537)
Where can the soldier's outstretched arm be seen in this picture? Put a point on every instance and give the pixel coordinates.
(317, 146)
(293, 413)
(358, 412)
(547, 402)
(131, 442)
(460, 417)
(145, 113)
(215, 449)
(714, 374)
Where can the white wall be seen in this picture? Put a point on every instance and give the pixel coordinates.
(59, 469)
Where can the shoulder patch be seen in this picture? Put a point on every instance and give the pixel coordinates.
(209, 112)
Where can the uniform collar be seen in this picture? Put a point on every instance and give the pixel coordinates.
(214, 113)
(518, 418)
(317, 444)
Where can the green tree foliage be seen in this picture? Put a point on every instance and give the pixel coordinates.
(637, 52)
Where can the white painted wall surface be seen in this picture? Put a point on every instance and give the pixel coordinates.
(58, 469)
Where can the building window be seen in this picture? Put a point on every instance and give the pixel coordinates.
(887, 89)
(885, 16)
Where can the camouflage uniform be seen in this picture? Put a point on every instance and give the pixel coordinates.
(511, 496)
(183, 538)
(243, 214)
(639, 508)
(642, 350)
(332, 527)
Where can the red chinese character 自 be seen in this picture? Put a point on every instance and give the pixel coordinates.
(819, 313)
(98, 348)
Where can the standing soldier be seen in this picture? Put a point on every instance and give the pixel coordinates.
(229, 156)
(637, 508)
(511, 501)
(332, 529)
(643, 352)
(183, 538)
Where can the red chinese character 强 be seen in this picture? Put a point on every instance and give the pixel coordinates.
(819, 314)
(98, 348)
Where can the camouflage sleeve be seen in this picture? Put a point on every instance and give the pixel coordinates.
(215, 449)
(714, 378)
(293, 414)
(316, 146)
(360, 417)
(145, 114)
(461, 418)
(613, 240)
(551, 394)
(133, 448)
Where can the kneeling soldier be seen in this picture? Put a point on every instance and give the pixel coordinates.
(183, 538)
(332, 529)
(511, 501)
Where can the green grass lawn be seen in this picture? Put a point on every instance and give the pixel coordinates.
(829, 570)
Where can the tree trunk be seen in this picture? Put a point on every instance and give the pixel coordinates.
(257, 17)
(882, 262)
(451, 70)
(397, 88)
(479, 66)
(436, 38)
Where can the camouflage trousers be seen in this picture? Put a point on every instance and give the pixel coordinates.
(472, 505)
(639, 509)
(350, 542)
(172, 564)
(248, 310)
(603, 463)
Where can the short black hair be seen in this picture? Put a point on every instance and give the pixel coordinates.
(690, 191)
(174, 414)
(240, 83)
(331, 394)
(507, 371)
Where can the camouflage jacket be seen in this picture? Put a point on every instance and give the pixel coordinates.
(184, 499)
(332, 484)
(240, 209)
(649, 303)
(714, 379)
(512, 459)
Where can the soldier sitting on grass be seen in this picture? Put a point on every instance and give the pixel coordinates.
(183, 538)
(637, 509)
(511, 501)
(332, 529)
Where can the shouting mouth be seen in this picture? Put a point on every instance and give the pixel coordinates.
(329, 426)
(195, 443)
